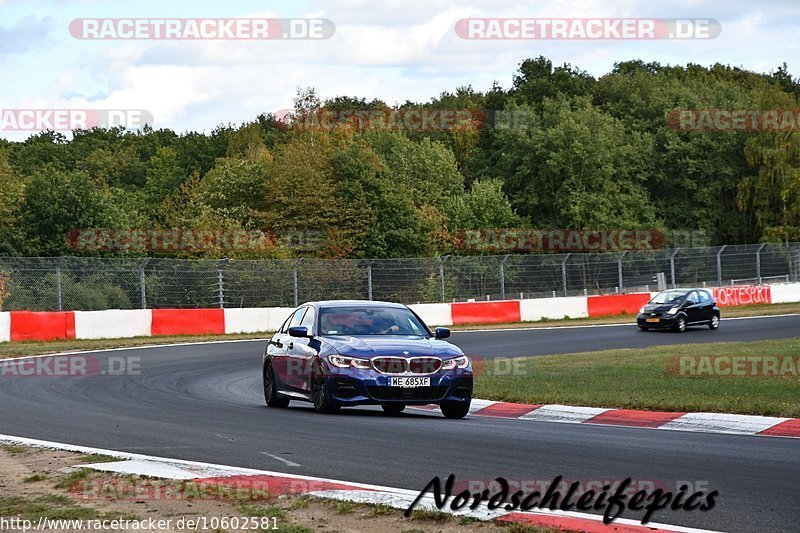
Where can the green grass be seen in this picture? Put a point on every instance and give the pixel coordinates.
(641, 379)
(14, 449)
(98, 458)
(34, 478)
(68, 480)
(50, 506)
(262, 511)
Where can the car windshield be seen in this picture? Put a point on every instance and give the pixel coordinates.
(369, 321)
(668, 297)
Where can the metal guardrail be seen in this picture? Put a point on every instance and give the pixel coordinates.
(90, 283)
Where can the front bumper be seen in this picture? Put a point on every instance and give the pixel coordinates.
(363, 387)
(664, 321)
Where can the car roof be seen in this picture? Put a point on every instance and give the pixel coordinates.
(354, 303)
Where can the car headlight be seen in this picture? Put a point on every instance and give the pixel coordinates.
(641, 311)
(458, 362)
(349, 362)
(672, 311)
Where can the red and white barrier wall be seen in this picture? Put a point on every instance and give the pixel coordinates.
(115, 323)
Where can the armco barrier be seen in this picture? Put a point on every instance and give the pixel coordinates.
(113, 324)
(486, 312)
(785, 293)
(188, 322)
(616, 304)
(434, 314)
(5, 327)
(25, 325)
(255, 320)
(554, 308)
(49, 326)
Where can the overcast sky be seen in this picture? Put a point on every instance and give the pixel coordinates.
(393, 50)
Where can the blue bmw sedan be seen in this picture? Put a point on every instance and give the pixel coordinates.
(345, 353)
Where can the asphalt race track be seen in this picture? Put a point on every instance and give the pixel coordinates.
(204, 403)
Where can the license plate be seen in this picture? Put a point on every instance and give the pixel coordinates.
(409, 383)
(653, 319)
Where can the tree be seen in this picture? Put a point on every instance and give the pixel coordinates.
(11, 194)
(578, 168)
(57, 202)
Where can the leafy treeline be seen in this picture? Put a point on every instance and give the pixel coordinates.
(591, 153)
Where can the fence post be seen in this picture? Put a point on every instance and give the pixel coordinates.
(220, 285)
(58, 281)
(294, 280)
(672, 266)
(758, 262)
(369, 281)
(619, 270)
(441, 277)
(564, 273)
(141, 282)
(503, 277)
(719, 265)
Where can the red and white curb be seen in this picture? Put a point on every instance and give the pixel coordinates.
(697, 422)
(280, 483)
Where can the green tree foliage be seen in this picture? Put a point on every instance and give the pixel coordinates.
(557, 149)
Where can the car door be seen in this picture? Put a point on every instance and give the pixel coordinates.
(279, 349)
(706, 305)
(301, 355)
(692, 308)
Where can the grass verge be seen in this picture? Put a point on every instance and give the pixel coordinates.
(642, 379)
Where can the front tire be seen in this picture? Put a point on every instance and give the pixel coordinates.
(714, 324)
(319, 393)
(393, 409)
(270, 390)
(680, 324)
(454, 409)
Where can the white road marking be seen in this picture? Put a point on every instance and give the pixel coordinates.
(287, 462)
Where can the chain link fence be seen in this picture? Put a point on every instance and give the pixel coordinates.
(90, 283)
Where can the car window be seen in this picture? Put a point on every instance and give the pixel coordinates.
(285, 326)
(704, 296)
(693, 297)
(297, 317)
(668, 297)
(369, 321)
(308, 320)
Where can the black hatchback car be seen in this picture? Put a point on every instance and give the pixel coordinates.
(676, 309)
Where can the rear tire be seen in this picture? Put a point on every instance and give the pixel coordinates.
(714, 324)
(270, 390)
(319, 393)
(454, 409)
(680, 324)
(393, 409)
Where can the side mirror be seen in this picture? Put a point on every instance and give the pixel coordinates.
(442, 333)
(298, 331)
